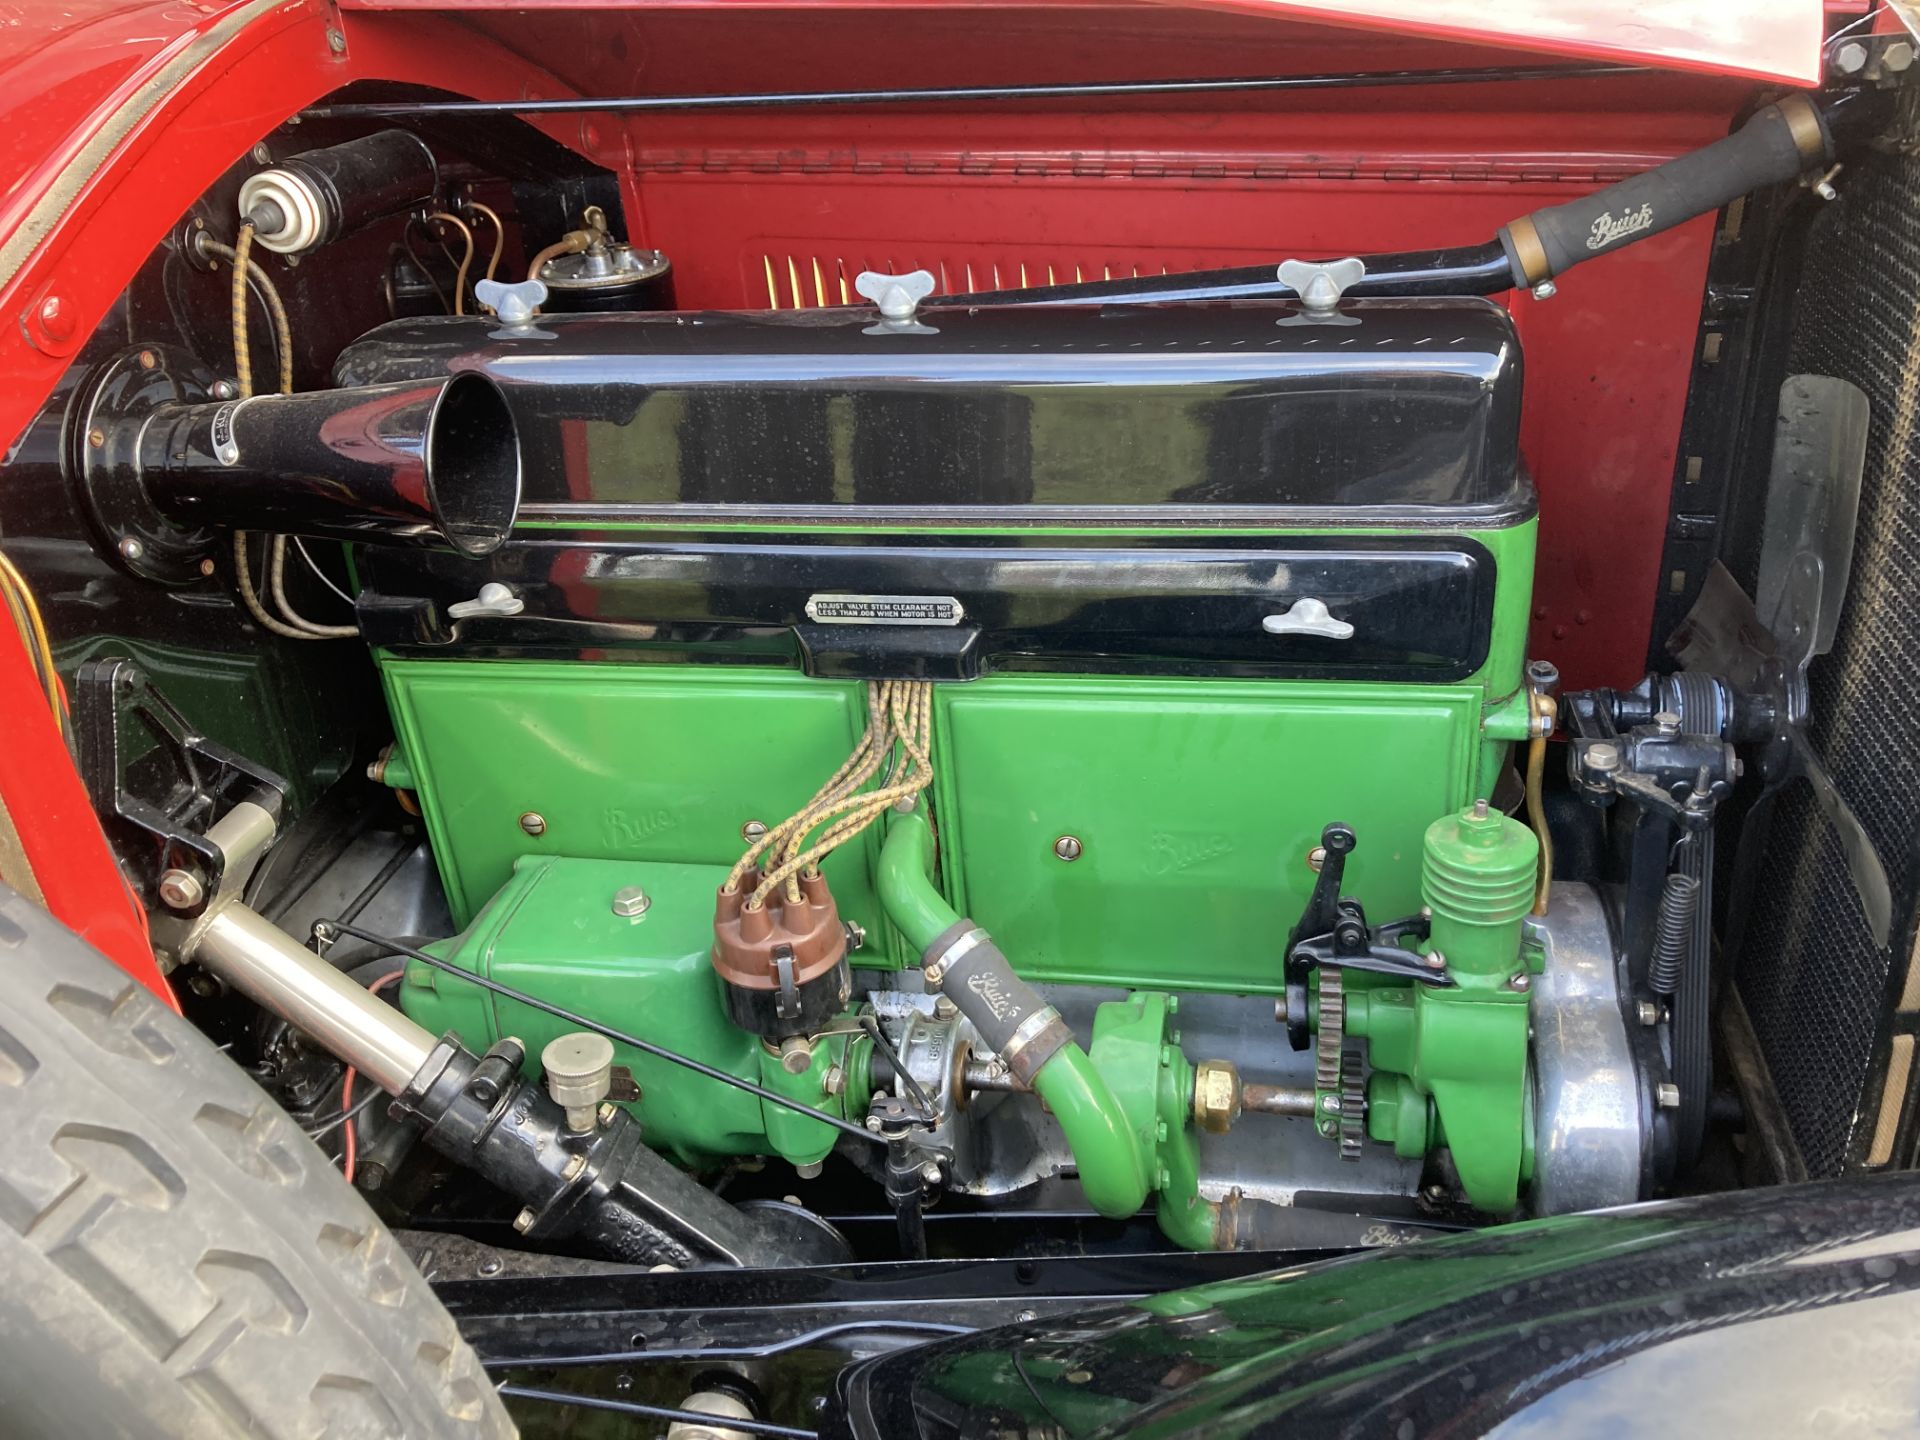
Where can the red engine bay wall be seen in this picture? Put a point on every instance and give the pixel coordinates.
(779, 206)
(784, 207)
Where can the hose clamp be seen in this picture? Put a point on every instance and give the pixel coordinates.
(1037, 1040)
(1803, 124)
(971, 940)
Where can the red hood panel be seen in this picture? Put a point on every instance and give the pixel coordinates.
(1765, 39)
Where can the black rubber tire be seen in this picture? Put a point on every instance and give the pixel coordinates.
(176, 1258)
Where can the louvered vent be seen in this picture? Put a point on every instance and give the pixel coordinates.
(803, 282)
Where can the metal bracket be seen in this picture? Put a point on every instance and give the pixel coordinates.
(158, 783)
(787, 1005)
(1333, 934)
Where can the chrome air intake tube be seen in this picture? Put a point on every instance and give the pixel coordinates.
(164, 466)
(408, 464)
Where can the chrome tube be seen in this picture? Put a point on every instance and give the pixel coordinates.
(266, 965)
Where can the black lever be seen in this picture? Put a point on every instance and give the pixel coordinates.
(1333, 930)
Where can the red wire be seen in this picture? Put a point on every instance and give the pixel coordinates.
(351, 1150)
(346, 1103)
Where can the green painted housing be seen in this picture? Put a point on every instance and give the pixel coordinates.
(1195, 802)
(552, 931)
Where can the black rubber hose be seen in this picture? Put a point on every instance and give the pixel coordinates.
(1014, 1020)
(1780, 142)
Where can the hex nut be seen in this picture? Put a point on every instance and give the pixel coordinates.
(1667, 1095)
(523, 1222)
(1850, 58)
(181, 890)
(1647, 1012)
(1897, 57)
(1216, 1095)
(575, 1167)
(631, 901)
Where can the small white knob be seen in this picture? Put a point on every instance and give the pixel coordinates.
(897, 296)
(513, 303)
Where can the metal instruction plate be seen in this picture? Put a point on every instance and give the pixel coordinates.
(884, 610)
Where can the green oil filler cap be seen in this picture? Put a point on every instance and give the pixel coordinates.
(1477, 877)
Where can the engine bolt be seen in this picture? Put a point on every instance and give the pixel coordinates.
(630, 900)
(930, 1172)
(834, 1081)
(1522, 981)
(181, 890)
(1897, 57)
(1850, 58)
(1316, 857)
(606, 1112)
(336, 42)
(753, 830)
(1330, 1104)
(131, 549)
(1545, 290)
(796, 1055)
(1667, 1095)
(96, 437)
(811, 1170)
(1435, 960)
(574, 1168)
(1604, 756)
(534, 823)
(523, 1222)
(944, 1008)
(1648, 1012)
(1667, 723)
(1068, 847)
(873, 1123)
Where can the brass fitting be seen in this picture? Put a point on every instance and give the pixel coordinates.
(1216, 1095)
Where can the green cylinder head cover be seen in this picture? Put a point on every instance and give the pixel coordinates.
(1477, 878)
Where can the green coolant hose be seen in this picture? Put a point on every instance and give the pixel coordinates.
(1113, 1167)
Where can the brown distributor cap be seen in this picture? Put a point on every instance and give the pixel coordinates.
(748, 944)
